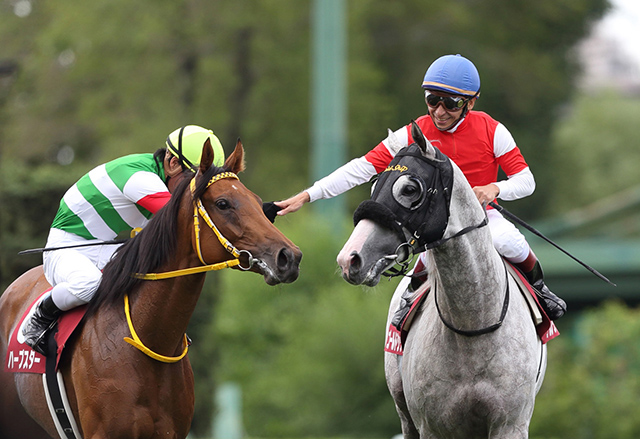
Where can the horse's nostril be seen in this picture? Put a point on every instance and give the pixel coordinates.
(284, 258)
(355, 263)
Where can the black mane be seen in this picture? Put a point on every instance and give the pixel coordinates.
(149, 250)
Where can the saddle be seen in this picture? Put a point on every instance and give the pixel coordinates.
(21, 358)
(545, 328)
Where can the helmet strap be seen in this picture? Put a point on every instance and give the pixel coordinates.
(184, 162)
(465, 110)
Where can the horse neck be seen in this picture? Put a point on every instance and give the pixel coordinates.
(161, 309)
(470, 281)
(470, 277)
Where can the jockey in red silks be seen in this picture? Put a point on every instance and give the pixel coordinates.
(477, 143)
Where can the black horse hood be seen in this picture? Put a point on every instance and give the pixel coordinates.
(413, 193)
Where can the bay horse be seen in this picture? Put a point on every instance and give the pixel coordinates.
(472, 362)
(116, 391)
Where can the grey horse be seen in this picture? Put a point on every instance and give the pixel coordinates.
(472, 362)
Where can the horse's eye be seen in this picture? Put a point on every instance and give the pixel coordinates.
(408, 191)
(223, 204)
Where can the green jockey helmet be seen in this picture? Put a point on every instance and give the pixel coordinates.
(186, 143)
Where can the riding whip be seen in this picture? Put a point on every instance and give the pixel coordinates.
(514, 218)
(49, 249)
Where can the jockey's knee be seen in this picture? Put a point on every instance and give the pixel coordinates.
(84, 285)
(512, 246)
(64, 299)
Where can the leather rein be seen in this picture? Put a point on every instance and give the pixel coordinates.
(199, 210)
(413, 249)
(486, 330)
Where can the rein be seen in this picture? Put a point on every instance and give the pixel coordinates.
(137, 343)
(472, 333)
(464, 231)
(198, 210)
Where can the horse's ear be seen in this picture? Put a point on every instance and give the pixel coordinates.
(206, 160)
(394, 143)
(418, 136)
(235, 162)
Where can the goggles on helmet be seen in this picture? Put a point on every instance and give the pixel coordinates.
(453, 103)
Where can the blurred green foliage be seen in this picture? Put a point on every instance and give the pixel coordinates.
(307, 355)
(596, 147)
(592, 386)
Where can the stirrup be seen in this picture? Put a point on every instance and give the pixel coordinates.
(39, 344)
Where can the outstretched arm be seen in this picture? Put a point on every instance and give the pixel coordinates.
(351, 174)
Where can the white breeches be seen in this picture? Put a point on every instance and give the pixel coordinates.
(74, 273)
(507, 239)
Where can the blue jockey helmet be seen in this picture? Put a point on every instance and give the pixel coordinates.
(453, 74)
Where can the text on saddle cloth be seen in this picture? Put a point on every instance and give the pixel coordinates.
(21, 358)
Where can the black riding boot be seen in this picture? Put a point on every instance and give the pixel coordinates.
(42, 320)
(554, 306)
(418, 277)
(403, 308)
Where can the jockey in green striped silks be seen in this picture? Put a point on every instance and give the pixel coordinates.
(112, 198)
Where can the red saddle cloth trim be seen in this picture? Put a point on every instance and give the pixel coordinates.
(21, 358)
(394, 340)
(546, 330)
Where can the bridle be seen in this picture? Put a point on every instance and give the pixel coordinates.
(198, 211)
(421, 220)
(412, 248)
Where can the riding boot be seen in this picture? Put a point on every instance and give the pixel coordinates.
(403, 309)
(418, 277)
(43, 319)
(554, 306)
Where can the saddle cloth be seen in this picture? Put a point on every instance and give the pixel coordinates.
(545, 328)
(21, 358)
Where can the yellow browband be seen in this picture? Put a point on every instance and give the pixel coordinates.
(197, 208)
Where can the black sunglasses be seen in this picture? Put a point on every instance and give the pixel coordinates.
(450, 102)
